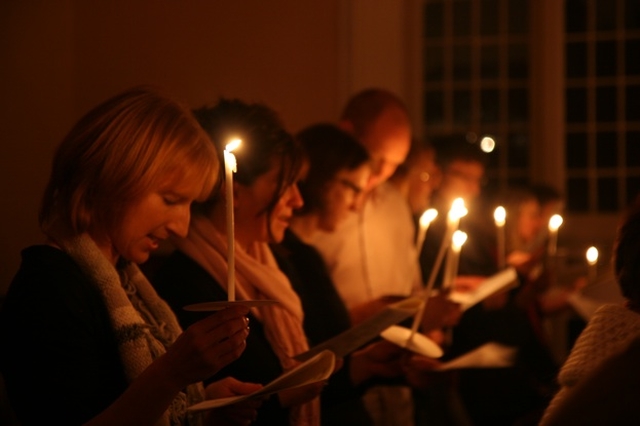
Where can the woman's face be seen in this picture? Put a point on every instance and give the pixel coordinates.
(341, 196)
(160, 213)
(252, 221)
(530, 220)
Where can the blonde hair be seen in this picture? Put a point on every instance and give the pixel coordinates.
(116, 153)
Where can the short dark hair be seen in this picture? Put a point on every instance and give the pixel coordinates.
(328, 150)
(264, 142)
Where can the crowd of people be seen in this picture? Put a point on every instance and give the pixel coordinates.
(325, 225)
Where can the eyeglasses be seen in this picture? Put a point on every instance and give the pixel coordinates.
(352, 186)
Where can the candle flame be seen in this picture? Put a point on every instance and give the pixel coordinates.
(592, 255)
(458, 209)
(428, 216)
(500, 214)
(459, 238)
(233, 144)
(555, 222)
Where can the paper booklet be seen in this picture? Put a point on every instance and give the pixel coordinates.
(352, 339)
(489, 355)
(313, 370)
(505, 279)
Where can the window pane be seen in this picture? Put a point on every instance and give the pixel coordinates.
(489, 62)
(461, 63)
(607, 195)
(518, 61)
(606, 57)
(434, 107)
(433, 64)
(606, 105)
(576, 60)
(576, 151)
(489, 101)
(577, 195)
(461, 106)
(518, 22)
(434, 20)
(633, 188)
(518, 157)
(606, 149)
(576, 105)
(494, 158)
(517, 182)
(632, 149)
(489, 17)
(633, 102)
(632, 57)
(576, 15)
(518, 105)
(461, 17)
(606, 15)
(632, 14)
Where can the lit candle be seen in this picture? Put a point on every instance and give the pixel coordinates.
(592, 260)
(229, 169)
(457, 241)
(425, 220)
(499, 215)
(457, 211)
(554, 224)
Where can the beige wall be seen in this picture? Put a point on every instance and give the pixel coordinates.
(59, 58)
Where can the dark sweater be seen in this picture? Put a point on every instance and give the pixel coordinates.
(181, 281)
(59, 355)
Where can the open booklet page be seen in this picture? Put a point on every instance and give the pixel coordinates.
(313, 370)
(489, 355)
(505, 279)
(355, 337)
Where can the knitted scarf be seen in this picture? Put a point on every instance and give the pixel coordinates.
(143, 323)
(609, 331)
(257, 277)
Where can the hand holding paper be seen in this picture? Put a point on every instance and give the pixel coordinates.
(314, 370)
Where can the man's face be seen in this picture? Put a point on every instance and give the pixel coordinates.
(388, 141)
(462, 179)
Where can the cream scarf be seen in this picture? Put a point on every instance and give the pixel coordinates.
(608, 332)
(143, 323)
(257, 277)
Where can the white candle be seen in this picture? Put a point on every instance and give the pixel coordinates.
(592, 260)
(500, 215)
(554, 224)
(457, 211)
(229, 168)
(458, 239)
(425, 220)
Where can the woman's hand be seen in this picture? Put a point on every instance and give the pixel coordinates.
(207, 346)
(379, 359)
(242, 413)
(418, 369)
(440, 312)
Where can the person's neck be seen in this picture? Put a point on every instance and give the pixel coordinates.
(219, 219)
(305, 227)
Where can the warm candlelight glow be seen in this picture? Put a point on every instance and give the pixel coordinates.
(555, 222)
(499, 215)
(458, 209)
(427, 217)
(459, 238)
(230, 166)
(592, 255)
(233, 145)
(425, 220)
